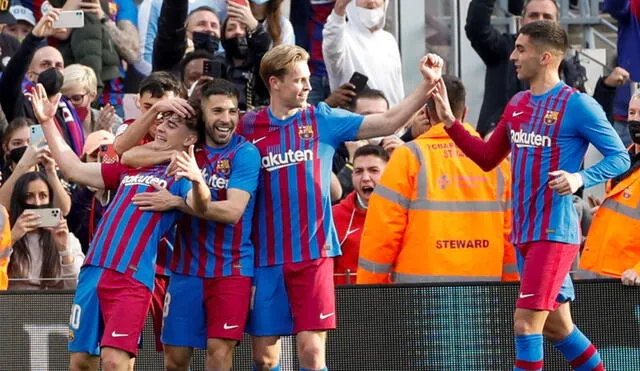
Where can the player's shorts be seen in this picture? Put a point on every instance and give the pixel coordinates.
(197, 309)
(157, 303)
(109, 309)
(293, 297)
(544, 268)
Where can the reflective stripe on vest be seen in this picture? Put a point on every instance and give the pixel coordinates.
(373, 267)
(423, 204)
(509, 268)
(418, 278)
(619, 208)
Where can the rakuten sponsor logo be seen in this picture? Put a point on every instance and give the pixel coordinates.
(143, 180)
(274, 161)
(522, 138)
(214, 181)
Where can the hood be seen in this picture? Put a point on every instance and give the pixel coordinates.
(347, 205)
(438, 131)
(354, 20)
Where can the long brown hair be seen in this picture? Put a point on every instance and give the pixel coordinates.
(273, 21)
(20, 262)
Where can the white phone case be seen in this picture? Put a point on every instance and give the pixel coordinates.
(70, 19)
(48, 217)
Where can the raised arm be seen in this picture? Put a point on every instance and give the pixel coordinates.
(133, 133)
(383, 124)
(171, 38)
(488, 154)
(491, 45)
(333, 38)
(74, 170)
(146, 155)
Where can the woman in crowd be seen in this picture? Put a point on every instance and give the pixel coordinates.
(41, 258)
(245, 41)
(14, 143)
(24, 158)
(267, 13)
(80, 87)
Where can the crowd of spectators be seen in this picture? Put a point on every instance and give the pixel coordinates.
(99, 67)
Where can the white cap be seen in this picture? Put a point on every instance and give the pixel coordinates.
(20, 13)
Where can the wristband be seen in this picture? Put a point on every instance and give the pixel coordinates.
(64, 253)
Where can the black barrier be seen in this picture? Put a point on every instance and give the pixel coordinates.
(409, 327)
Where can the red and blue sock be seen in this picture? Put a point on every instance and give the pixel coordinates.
(579, 351)
(529, 353)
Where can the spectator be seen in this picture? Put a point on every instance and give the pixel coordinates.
(308, 18)
(268, 13)
(5, 248)
(612, 246)
(25, 21)
(42, 65)
(35, 159)
(80, 87)
(369, 162)
(494, 48)
(89, 204)
(192, 67)
(40, 255)
(121, 26)
(361, 45)
(427, 184)
(368, 102)
(627, 13)
(14, 143)
(90, 45)
(176, 27)
(8, 44)
(245, 41)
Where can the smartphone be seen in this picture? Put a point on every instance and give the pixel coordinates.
(241, 2)
(35, 135)
(359, 81)
(212, 68)
(107, 154)
(48, 217)
(70, 19)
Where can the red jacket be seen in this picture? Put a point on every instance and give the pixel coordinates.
(349, 221)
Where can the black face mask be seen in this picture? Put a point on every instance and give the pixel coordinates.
(52, 81)
(237, 47)
(16, 154)
(205, 41)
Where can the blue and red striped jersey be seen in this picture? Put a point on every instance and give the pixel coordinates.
(206, 248)
(551, 132)
(292, 220)
(127, 238)
(320, 10)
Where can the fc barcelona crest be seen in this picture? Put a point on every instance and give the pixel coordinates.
(223, 167)
(551, 117)
(305, 132)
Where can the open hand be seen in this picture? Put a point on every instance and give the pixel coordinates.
(243, 14)
(44, 108)
(161, 200)
(188, 167)
(27, 222)
(178, 106)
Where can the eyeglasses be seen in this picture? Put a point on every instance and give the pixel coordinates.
(77, 98)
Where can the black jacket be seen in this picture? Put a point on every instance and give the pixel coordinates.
(171, 39)
(12, 99)
(501, 82)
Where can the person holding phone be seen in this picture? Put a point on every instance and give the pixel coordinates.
(32, 158)
(42, 257)
(354, 39)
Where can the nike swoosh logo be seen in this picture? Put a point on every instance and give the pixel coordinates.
(516, 114)
(116, 335)
(524, 296)
(227, 327)
(325, 316)
(258, 139)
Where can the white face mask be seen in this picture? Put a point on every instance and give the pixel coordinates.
(370, 18)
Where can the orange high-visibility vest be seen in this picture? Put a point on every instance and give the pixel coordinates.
(613, 241)
(436, 216)
(5, 247)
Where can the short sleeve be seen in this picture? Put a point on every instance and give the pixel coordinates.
(111, 174)
(127, 11)
(245, 169)
(338, 125)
